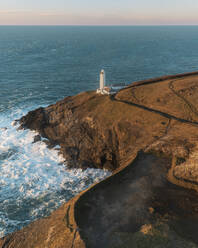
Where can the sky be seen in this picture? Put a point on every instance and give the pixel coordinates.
(100, 12)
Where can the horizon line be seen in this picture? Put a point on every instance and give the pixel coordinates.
(96, 25)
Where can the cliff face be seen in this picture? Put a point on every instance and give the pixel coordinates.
(105, 131)
(78, 125)
(147, 134)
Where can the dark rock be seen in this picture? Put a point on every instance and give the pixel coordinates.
(50, 144)
(3, 128)
(37, 138)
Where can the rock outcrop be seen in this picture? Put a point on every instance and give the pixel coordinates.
(147, 134)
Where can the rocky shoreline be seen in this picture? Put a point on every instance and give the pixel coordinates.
(147, 135)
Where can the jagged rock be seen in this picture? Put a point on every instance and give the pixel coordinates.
(37, 138)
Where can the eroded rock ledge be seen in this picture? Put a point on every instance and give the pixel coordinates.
(147, 134)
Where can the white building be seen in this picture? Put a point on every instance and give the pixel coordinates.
(102, 79)
(108, 90)
(104, 90)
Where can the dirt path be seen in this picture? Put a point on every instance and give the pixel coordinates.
(164, 114)
(192, 108)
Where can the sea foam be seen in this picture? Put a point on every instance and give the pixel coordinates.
(34, 180)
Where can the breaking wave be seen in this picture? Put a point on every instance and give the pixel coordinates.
(33, 179)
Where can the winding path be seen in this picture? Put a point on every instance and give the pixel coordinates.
(188, 103)
(164, 114)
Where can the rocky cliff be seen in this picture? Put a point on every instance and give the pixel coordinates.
(147, 134)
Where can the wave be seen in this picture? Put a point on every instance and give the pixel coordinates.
(34, 180)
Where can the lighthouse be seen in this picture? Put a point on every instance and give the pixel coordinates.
(108, 90)
(102, 80)
(103, 90)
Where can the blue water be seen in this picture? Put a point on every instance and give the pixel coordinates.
(43, 64)
(40, 65)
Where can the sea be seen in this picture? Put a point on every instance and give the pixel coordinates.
(40, 65)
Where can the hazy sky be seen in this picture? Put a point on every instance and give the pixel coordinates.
(100, 12)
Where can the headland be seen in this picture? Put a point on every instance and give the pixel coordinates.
(147, 135)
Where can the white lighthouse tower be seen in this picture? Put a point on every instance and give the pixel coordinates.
(104, 90)
(108, 90)
(102, 80)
